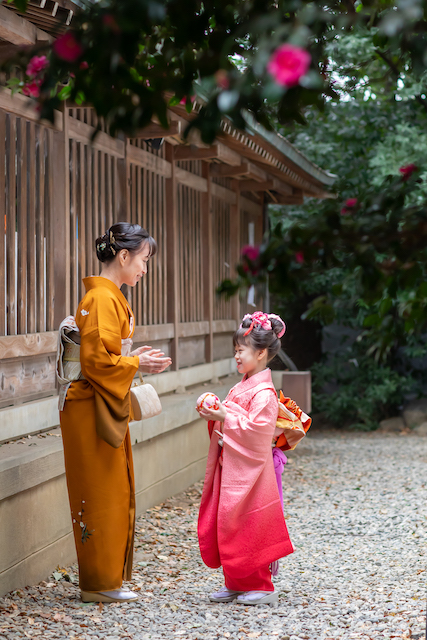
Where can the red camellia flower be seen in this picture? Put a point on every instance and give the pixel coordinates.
(84, 65)
(288, 64)
(250, 252)
(68, 48)
(299, 257)
(32, 89)
(36, 65)
(250, 255)
(348, 207)
(408, 171)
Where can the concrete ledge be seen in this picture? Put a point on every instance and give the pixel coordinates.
(34, 568)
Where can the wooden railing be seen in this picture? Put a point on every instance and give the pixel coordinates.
(59, 192)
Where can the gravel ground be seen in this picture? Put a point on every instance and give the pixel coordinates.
(356, 508)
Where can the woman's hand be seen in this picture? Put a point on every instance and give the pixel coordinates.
(213, 414)
(151, 360)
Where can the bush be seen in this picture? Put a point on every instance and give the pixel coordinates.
(358, 393)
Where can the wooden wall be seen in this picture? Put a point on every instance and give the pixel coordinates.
(59, 192)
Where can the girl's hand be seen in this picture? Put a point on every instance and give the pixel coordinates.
(151, 360)
(213, 414)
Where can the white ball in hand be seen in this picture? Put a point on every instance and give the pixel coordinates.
(208, 401)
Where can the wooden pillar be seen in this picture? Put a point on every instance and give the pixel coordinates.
(235, 248)
(2, 222)
(60, 220)
(122, 209)
(207, 257)
(172, 256)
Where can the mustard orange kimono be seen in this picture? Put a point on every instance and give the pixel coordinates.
(97, 448)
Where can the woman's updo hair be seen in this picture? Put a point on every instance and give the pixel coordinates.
(123, 235)
(258, 337)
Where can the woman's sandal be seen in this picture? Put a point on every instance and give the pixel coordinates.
(119, 595)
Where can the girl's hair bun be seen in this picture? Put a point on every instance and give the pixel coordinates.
(277, 324)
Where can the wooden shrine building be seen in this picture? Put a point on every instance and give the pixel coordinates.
(58, 192)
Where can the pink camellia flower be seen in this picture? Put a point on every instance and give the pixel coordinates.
(250, 252)
(36, 65)
(68, 48)
(349, 205)
(299, 257)
(84, 65)
(184, 100)
(408, 170)
(288, 64)
(32, 89)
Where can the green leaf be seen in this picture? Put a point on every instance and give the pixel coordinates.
(21, 5)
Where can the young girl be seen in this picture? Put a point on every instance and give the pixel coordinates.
(241, 524)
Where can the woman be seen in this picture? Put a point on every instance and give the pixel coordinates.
(95, 417)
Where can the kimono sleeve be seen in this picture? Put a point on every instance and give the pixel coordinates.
(100, 349)
(252, 430)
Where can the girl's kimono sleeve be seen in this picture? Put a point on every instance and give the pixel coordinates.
(249, 433)
(109, 373)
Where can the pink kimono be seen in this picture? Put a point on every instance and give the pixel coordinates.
(241, 524)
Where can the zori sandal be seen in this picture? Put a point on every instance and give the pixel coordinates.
(258, 597)
(119, 595)
(224, 595)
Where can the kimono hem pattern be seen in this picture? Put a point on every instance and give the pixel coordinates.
(241, 524)
(97, 447)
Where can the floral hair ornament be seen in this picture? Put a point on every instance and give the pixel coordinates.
(101, 246)
(282, 333)
(257, 318)
(112, 241)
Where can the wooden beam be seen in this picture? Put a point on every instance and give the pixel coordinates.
(228, 156)
(224, 326)
(294, 199)
(253, 185)
(19, 31)
(255, 208)
(191, 180)
(155, 130)
(25, 108)
(148, 160)
(190, 329)
(83, 132)
(223, 193)
(28, 345)
(195, 153)
(226, 171)
(151, 333)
